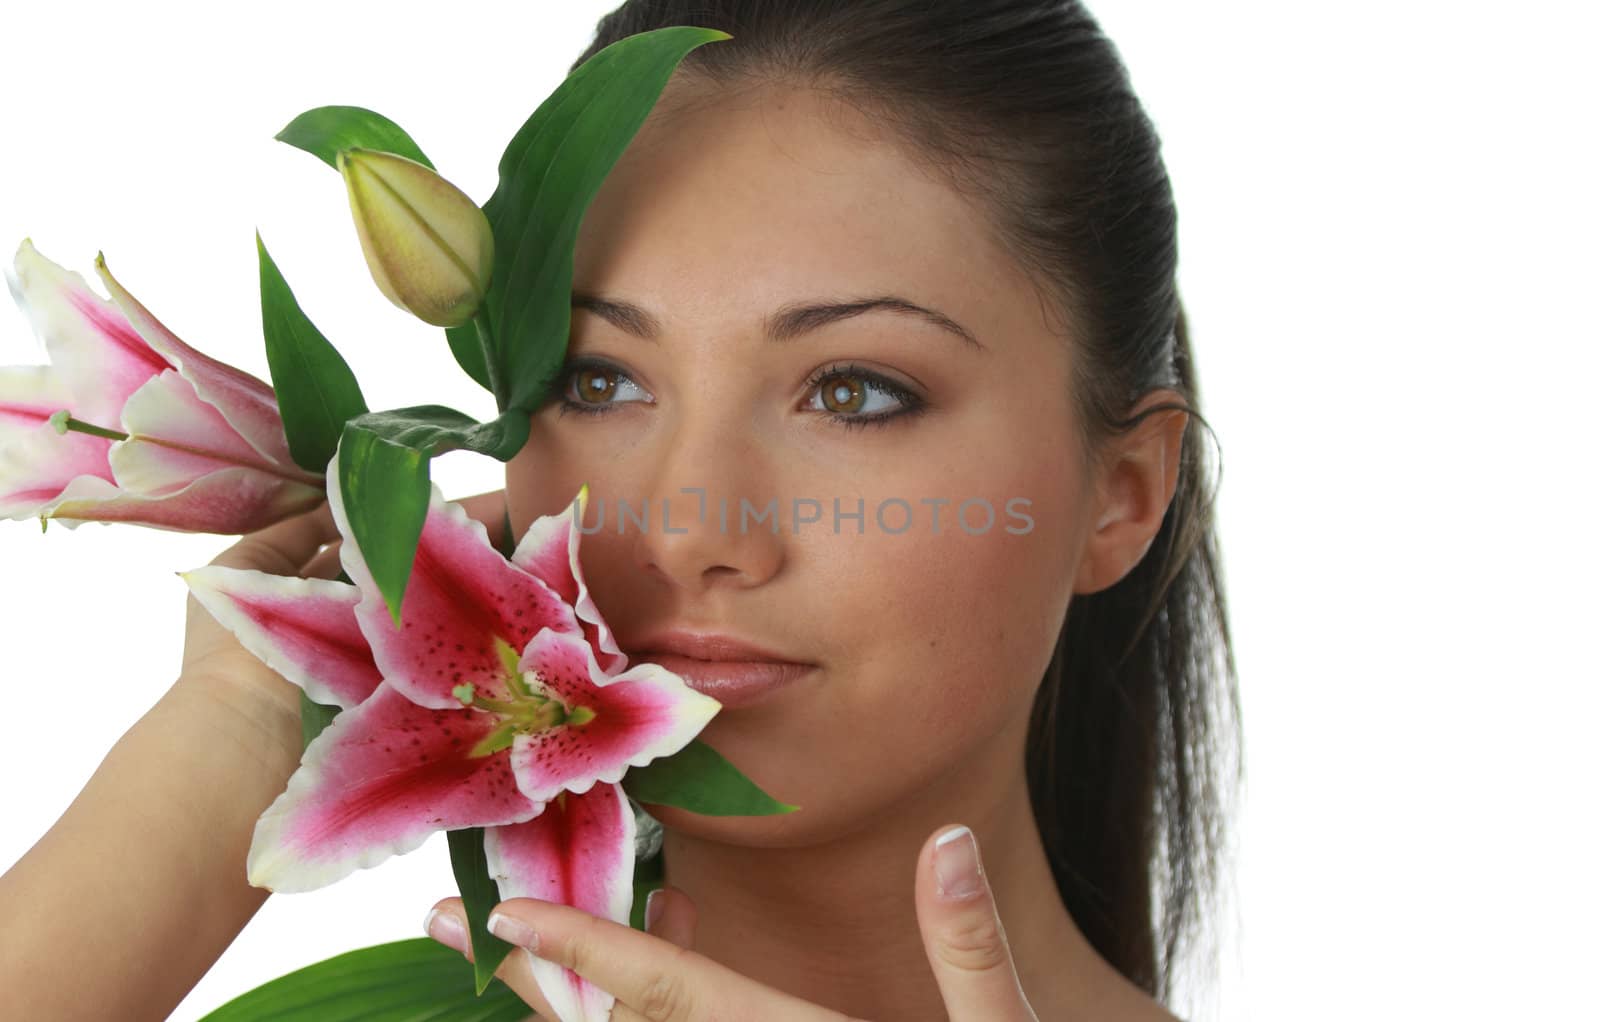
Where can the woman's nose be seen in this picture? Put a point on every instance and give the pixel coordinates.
(702, 520)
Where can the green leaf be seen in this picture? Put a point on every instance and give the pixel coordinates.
(315, 388)
(479, 894)
(468, 346)
(314, 717)
(698, 779)
(549, 173)
(405, 981)
(325, 130)
(383, 477)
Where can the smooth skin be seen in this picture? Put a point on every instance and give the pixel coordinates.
(929, 646)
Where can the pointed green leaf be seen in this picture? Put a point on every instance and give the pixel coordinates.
(315, 388)
(549, 173)
(325, 130)
(405, 981)
(385, 490)
(383, 475)
(468, 346)
(479, 894)
(699, 779)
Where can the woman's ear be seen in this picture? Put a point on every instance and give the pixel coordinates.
(1132, 493)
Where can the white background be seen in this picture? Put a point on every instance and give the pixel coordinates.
(1389, 222)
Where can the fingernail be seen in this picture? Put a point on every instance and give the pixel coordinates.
(955, 864)
(446, 929)
(513, 931)
(652, 908)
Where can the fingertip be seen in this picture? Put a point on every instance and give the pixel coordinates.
(653, 904)
(957, 867)
(671, 915)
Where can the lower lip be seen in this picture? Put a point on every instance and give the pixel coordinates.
(733, 683)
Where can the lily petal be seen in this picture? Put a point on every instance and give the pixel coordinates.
(230, 502)
(549, 549)
(578, 852)
(245, 402)
(37, 465)
(637, 716)
(303, 628)
(175, 438)
(380, 779)
(29, 395)
(101, 358)
(467, 610)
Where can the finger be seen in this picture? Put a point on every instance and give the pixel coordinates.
(325, 564)
(670, 914)
(962, 935)
(447, 923)
(282, 547)
(647, 975)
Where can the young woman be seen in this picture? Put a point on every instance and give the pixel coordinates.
(903, 272)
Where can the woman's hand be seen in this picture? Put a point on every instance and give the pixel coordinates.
(655, 977)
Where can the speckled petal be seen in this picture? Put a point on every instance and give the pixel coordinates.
(578, 852)
(380, 779)
(549, 549)
(639, 715)
(467, 611)
(303, 628)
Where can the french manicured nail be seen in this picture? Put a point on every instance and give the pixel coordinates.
(446, 929)
(955, 864)
(652, 909)
(513, 931)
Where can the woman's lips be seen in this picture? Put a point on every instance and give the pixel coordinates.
(733, 683)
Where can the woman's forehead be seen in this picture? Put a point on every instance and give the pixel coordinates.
(764, 204)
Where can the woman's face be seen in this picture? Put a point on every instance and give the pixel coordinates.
(928, 642)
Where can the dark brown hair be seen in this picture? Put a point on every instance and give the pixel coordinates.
(1026, 107)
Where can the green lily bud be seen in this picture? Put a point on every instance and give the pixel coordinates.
(426, 242)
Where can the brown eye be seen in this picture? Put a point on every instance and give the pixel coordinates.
(842, 393)
(852, 396)
(595, 386)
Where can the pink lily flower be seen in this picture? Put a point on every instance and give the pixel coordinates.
(158, 434)
(488, 707)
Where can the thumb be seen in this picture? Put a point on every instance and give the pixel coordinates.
(962, 935)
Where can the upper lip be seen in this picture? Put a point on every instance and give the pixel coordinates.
(705, 646)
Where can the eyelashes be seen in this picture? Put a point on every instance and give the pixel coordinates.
(868, 383)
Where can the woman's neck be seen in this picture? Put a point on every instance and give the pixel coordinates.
(837, 925)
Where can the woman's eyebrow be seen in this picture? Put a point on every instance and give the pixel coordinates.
(789, 322)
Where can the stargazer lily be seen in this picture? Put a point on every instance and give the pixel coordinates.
(488, 707)
(129, 424)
